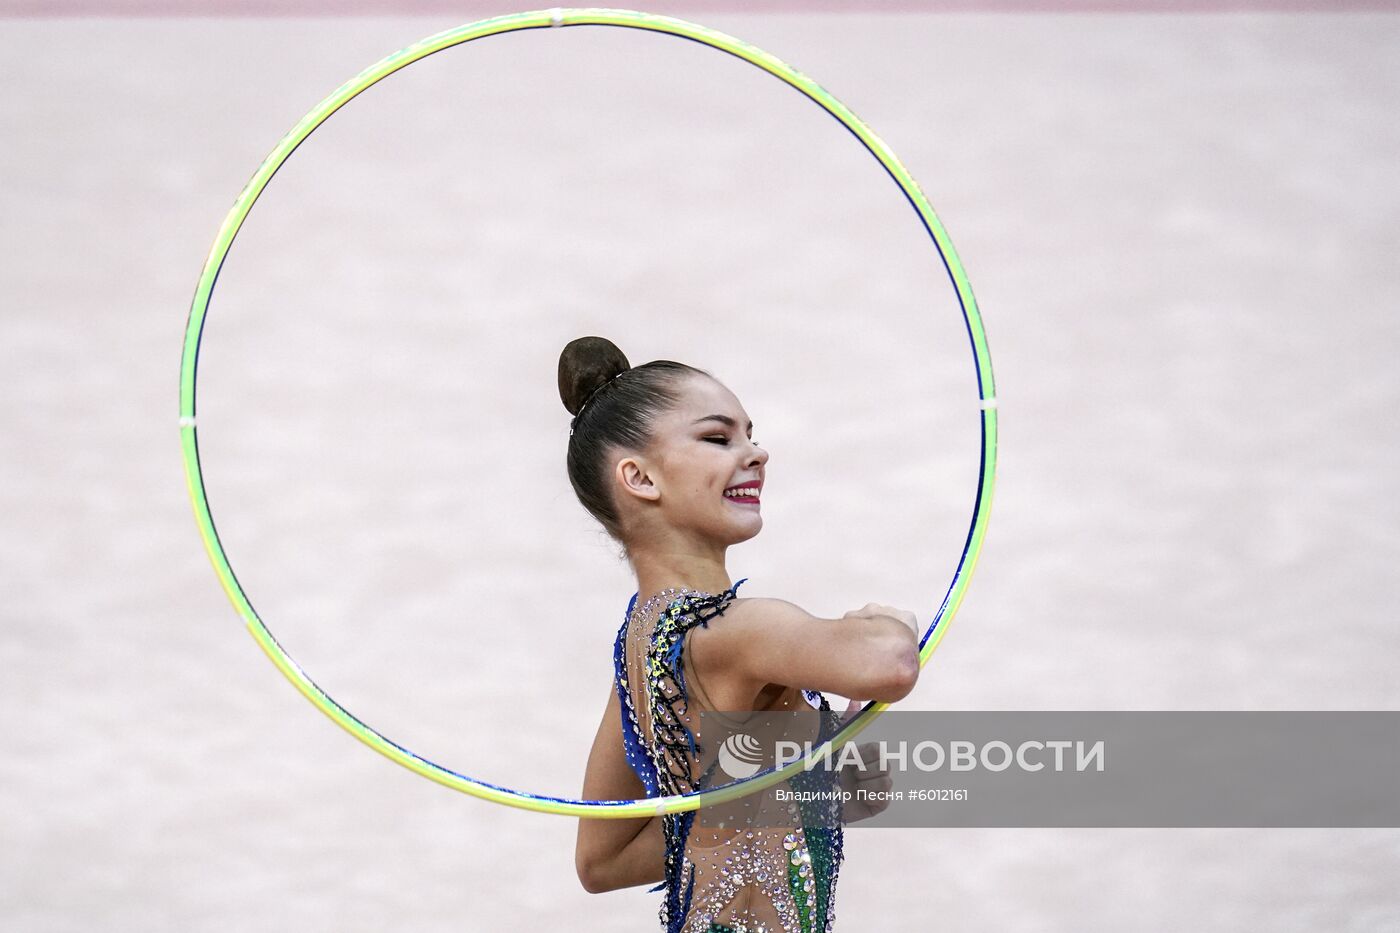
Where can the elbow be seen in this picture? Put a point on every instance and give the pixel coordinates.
(588, 877)
(588, 874)
(901, 673)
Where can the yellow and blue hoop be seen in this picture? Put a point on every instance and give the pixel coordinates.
(545, 19)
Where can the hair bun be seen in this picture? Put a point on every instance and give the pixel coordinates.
(586, 364)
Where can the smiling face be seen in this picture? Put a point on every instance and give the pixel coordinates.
(700, 448)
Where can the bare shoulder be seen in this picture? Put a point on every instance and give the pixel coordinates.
(749, 627)
(756, 621)
(772, 641)
(716, 650)
(765, 610)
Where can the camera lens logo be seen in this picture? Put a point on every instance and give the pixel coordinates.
(740, 755)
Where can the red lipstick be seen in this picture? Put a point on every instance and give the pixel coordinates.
(755, 485)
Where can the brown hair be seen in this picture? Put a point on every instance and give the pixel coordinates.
(614, 406)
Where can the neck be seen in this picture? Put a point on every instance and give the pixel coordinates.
(699, 570)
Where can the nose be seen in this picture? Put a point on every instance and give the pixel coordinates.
(759, 457)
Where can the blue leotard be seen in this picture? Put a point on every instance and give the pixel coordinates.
(787, 879)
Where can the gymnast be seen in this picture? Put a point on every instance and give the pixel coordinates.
(663, 456)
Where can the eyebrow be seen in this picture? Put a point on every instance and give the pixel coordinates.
(722, 419)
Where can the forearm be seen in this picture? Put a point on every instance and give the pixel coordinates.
(641, 861)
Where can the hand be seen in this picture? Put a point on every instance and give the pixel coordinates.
(872, 779)
(871, 610)
(852, 708)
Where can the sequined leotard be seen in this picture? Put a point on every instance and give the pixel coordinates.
(776, 875)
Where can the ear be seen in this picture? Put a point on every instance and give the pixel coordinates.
(634, 479)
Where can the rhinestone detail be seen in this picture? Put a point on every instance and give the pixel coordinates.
(792, 877)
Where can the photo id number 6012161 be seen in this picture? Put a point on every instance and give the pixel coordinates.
(937, 794)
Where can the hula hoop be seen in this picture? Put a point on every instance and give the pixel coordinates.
(538, 19)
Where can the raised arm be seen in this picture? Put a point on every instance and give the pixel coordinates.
(763, 641)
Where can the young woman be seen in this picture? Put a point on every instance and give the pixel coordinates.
(662, 455)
